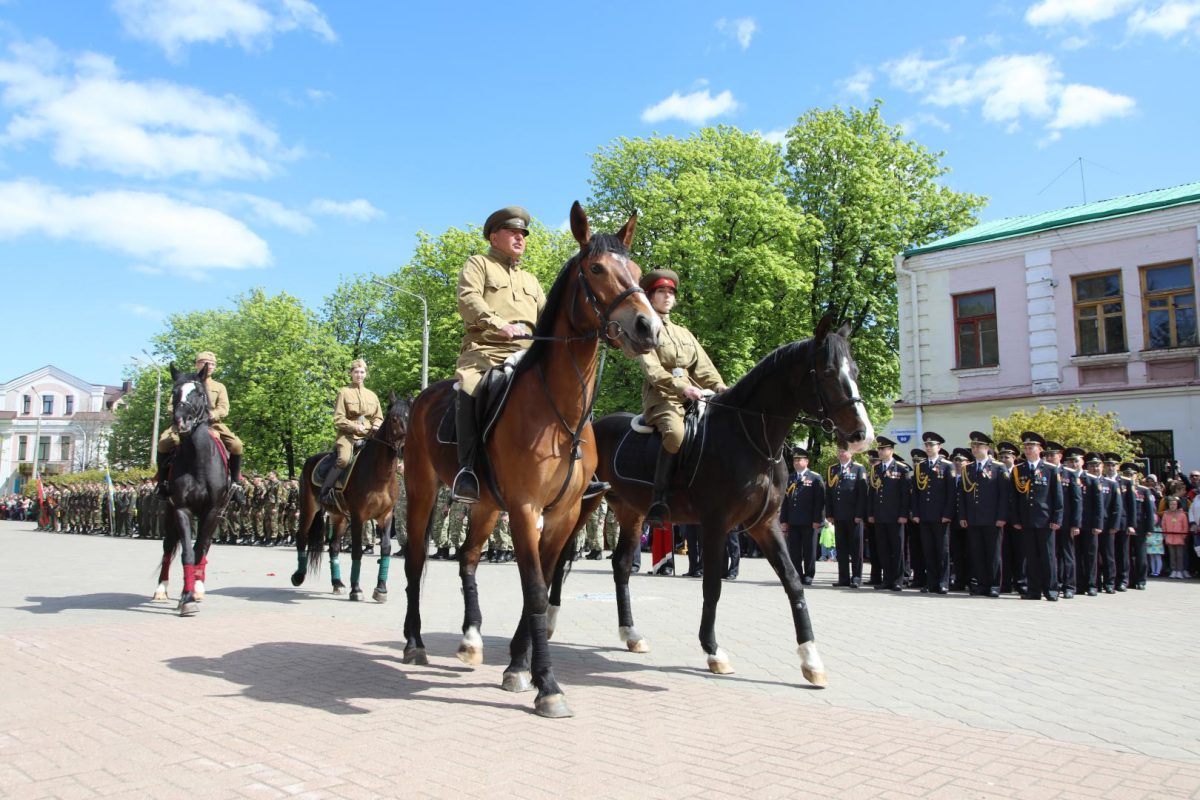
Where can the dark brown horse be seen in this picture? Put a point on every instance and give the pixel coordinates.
(540, 452)
(739, 478)
(370, 494)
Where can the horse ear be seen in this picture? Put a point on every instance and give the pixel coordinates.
(626, 232)
(579, 225)
(392, 397)
(204, 372)
(174, 372)
(844, 331)
(823, 327)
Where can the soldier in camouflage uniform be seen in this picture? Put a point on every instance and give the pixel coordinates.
(258, 502)
(500, 544)
(441, 511)
(595, 532)
(291, 511)
(400, 515)
(270, 507)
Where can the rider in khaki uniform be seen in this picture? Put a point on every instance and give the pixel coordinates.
(497, 301)
(675, 371)
(218, 403)
(356, 414)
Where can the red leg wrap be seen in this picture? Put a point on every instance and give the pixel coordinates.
(189, 578)
(165, 572)
(200, 569)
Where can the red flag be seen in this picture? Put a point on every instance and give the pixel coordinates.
(662, 547)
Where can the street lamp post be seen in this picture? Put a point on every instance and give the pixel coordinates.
(37, 435)
(424, 327)
(157, 404)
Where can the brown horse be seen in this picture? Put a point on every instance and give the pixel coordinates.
(738, 477)
(540, 453)
(370, 494)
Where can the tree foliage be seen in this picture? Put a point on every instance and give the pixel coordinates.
(1071, 426)
(129, 444)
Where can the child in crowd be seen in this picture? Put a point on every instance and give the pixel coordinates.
(827, 539)
(1175, 534)
(1154, 549)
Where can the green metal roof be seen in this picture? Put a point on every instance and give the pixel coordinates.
(1065, 217)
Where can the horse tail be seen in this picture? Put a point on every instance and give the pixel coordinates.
(316, 542)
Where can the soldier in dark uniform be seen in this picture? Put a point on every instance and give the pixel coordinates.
(871, 546)
(845, 506)
(1064, 538)
(934, 504)
(1038, 501)
(889, 501)
(914, 556)
(960, 551)
(984, 506)
(1124, 536)
(1095, 494)
(1137, 541)
(802, 514)
(1114, 522)
(1013, 573)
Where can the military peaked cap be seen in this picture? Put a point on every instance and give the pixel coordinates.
(1093, 458)
(1128, 466)
(883, 441)
(1029, 437)
(799, 452)
(1112, 458)
(1008, 447)
(931, 437)
(962, 454)
(978, 437)
(1053, 446)
(1074, 452)
(206, 355)
(918, 454)
(660, 277)
(513, 217)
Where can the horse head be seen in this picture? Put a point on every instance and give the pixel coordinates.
(189, 399)
(608, 278)
(395, 423)
(835, 377)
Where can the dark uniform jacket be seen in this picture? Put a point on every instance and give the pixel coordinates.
(1129, 504)
(1038, 495)
(1096, 493)
(1072, 484)
(934, 494)
(889, 496)
(1146, 515)
(846, 492)
(984, 493)
(804, 500)
(1114, 511)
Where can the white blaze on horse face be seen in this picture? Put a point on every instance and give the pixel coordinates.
(186, 392)
(859, 408)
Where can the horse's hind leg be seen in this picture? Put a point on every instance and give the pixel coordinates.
(770, 539)
(308, 514)
(622, 564)
(212, 519)
(384, 527)
(560, 567)
(337, 526)
(356, 553)
(716, 534)
(164, 571)
(482, 521)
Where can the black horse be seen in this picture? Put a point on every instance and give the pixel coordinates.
(199, 488)
(737, 477)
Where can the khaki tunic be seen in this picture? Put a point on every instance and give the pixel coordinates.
(493, 292)
(678, 362)
(351, 407)
(218, 403)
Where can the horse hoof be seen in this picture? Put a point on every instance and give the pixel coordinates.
(416, 656)
(518, 682)
(638, 645)
(718, 663)
(379, 595)
(339, 590)
(297, 578)
(161, 595)
(815, 677)
(188, 609)
(470, 649)
(199, 596)
(356, 595)
(552, 706)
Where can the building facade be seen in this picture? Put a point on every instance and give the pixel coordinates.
(1094, 303)
(55, 422)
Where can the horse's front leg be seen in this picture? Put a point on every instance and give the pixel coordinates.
(420, 523)
(769, 537)
(716, 535)
(622, 565)
(482, 521)
(187, 598)
(356, 554)
(384, 526)
(335, 528)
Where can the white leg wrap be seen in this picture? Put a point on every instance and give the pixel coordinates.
(470, 649)
(160, 593)
(198, 592)
(811, 665)
(719, 663)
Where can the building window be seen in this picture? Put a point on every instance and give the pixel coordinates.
(25, 404)
(70, 404)
(47, 404)
(22, 448)
(44, 448)
(1099, 314)
(64, 448)
(1169, 302)
(975, 330)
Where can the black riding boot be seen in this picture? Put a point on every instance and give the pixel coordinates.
(331, 479)
(659, 511)
(163, 461)
(235, 467)
(466, 485)
(596, 487)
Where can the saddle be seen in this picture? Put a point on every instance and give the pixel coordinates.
(329, 461)
(637, 452)
(489, 402)
(220, 449)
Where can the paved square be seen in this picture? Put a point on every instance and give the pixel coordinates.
(272, 691)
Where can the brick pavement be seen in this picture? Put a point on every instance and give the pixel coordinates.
(272, 691)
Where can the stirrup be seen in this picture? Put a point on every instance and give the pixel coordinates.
(657, 514)
(463, 492)
(595, 487)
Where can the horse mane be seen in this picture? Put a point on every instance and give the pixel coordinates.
(785, 355)
(599, 244)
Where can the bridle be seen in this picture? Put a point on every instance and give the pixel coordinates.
(203, 412)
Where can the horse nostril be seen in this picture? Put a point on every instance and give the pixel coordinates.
(857, 436)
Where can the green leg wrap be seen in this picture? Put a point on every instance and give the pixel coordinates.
(302, 562)
(355, 571)
(384, 564)
(335, 568)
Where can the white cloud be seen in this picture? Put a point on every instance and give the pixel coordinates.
(741, 29)
(774, 137)
(1082, 106)
(1168, 20)
(264, 210)
(1074, 43)
(162, 233)
(358, 210)
(912, 73)
(1080, 12)
(95, 118)
(175, 24)
(858, 85)
(696, 108)
(1006, 87)
(139, 310)
(912, 124)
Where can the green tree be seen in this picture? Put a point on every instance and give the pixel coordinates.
(1072, 426)
(872, 194)
(129, 443)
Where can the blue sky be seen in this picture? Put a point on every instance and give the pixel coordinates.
(160, 156)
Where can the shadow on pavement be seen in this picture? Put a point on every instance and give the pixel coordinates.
(268, 594)
(101, 601)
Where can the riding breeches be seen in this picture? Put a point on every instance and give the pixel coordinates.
(669, 424)
(478, 359)
(233, 445)
(344, 448)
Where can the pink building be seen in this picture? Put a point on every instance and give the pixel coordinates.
(56, 420)
(1095, 303)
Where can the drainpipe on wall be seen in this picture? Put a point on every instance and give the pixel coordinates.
(898, 263)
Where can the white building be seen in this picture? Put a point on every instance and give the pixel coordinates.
(1095, 303)
(56, 419)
